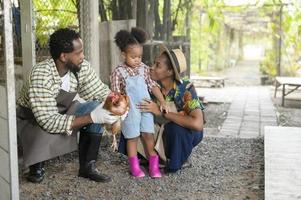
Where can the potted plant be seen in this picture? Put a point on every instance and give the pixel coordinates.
(268, 67)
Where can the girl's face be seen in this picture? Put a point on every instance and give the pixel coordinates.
(160, 70)
(133, 55)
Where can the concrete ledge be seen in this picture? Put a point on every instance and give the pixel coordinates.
(282, 155)
(214, 81)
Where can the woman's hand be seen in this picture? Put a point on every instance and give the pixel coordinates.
(149, 106)
(164, 107)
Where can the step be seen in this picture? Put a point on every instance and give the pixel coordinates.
(282, 158)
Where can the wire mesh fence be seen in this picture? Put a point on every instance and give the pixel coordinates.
(85, 26)
(48, 17)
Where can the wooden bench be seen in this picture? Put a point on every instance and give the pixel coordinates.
(295, 82)
(282, 161)
(215, 81)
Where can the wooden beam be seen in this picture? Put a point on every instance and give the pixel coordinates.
(89, 29)
(27, 37)
(11, 105)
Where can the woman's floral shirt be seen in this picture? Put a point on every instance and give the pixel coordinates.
(177, 96)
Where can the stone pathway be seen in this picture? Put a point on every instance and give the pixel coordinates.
(251, 109)
(251, 106)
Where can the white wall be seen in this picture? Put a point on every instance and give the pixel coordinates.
(4, 148)
(109, 52)
(9, 180)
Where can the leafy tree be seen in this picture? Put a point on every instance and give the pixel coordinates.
(54, 14)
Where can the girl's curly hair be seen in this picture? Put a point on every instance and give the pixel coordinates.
(124, 38)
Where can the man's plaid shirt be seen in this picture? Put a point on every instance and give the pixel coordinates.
(42, 87)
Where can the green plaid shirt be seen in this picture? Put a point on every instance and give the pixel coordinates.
(42, 87)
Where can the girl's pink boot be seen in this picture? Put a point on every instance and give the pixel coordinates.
(154, 170)
(135, 167)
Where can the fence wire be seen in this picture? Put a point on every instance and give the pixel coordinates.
(85, 28)
(48, 17)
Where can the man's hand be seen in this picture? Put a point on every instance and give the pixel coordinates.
(101, 116)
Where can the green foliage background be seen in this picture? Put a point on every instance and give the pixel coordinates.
(210, 40)
(51, 15)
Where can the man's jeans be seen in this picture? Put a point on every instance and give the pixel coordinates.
(85, 108)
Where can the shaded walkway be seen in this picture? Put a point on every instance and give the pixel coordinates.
(251, 107)
(245, 73)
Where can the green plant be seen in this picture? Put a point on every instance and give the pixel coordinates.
(51, 15)
(291, 70)
(268, 64)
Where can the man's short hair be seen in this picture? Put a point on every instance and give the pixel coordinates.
(61, 41)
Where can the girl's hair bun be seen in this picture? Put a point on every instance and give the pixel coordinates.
(139, 34)
(123, 38)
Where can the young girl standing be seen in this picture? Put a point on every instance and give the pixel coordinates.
(132, 78)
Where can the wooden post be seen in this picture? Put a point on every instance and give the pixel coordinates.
(279, 70)
(283, 95)
(240, 45)
(8, 152)
(89, 29)
(167, 21)
(200, 38)
(134, 9)
(150, 20)
(27, 37)
(142, 13)
(158, 28)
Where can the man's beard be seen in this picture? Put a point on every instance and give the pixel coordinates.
(72, 67)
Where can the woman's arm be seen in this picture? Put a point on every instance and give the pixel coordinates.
(192, 121)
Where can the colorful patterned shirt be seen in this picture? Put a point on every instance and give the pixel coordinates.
(118, 81)
(177, 96)
(42, 87)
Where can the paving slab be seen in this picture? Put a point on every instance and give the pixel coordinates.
(282, 153)
(251, 109)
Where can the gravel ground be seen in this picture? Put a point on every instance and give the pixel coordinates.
(221, 169)
(290, 115)
(215, 115)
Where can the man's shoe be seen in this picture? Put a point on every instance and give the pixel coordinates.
(92, 173)
(36, 173)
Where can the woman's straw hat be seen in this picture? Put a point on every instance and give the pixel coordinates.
(177, 59)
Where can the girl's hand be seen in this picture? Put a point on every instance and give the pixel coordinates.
(149, 106)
